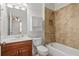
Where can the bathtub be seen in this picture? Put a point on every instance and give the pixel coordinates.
(57, 49)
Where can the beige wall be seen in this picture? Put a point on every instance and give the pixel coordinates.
(67, 25)
(49, 27)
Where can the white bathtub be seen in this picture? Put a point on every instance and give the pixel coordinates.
(57, 49)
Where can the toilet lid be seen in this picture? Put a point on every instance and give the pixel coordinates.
(42, 48)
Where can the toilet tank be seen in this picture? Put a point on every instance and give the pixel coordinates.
(37, 41)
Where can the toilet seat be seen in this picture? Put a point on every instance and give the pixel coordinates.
(42, 48)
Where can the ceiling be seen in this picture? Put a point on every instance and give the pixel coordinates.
(37, 7)
(55, 6)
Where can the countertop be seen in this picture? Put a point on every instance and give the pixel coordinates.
(11, 40)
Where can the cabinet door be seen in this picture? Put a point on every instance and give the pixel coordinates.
(9, 50)
(25, 52)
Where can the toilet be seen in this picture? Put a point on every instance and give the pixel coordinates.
(41, 49)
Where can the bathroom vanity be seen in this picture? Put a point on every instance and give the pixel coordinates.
(17, 47)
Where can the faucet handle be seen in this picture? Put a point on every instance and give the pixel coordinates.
(4, 43)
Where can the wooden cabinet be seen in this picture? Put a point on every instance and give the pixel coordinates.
(23, 48)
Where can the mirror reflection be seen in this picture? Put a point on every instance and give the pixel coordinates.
(19, 18)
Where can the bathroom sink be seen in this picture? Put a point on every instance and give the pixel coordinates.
(15, 38)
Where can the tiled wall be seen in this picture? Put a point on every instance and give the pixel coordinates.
(65, 28)
(49, 26)
(67, 25)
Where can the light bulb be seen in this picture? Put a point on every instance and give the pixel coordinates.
(23, 9)
(9, 5)
(17, 7)
(25, 4)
